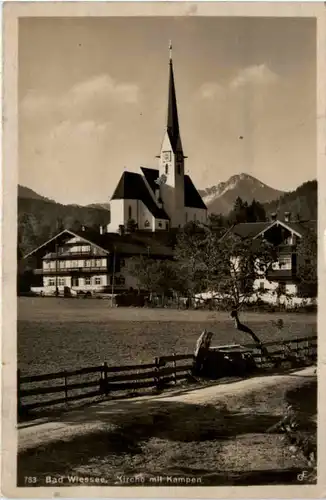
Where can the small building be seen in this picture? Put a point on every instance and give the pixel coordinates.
(87, 261)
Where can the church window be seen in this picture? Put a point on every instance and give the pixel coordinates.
(129, 212)
(166, 168)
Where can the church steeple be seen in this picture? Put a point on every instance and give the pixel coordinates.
(172, 116)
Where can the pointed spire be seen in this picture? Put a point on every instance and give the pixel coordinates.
(172, 118)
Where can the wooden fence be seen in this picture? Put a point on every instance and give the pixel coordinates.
(99, 380)
(105, 380)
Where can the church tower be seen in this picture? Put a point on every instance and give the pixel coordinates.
(171, 159)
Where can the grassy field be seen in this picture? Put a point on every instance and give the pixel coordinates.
(57, 333)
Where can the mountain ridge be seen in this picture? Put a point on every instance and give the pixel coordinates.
(220, 198)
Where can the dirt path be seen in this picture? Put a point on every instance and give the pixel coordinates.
(103, 416)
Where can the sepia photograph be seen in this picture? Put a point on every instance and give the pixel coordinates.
(167, 251)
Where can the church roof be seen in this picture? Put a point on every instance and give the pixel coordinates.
(151, 174)
(192, 197)
(131, 186)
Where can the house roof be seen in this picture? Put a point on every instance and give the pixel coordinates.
(128, 244)
(250, 229)
(131, 186)
(254, 229)
(192, 197)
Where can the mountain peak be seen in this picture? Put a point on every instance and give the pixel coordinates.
(221, 197)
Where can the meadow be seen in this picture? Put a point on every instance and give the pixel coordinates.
(57, 333)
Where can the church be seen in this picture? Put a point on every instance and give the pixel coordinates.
(163, 198)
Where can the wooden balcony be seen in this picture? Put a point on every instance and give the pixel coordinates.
(68, 255)
(71, 270)
(281, 275)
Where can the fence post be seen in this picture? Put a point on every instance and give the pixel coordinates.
(66, 386)
(174, 368)
(105, 373)
(157, 373)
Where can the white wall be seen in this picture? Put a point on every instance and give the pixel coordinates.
(160, 224)
(116, 215)
(62, 281)
(144, 215)
(270, 288)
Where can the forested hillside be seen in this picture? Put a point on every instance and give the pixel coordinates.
(302, 202)
(39, 220)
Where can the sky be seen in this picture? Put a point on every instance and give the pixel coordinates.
(93, 100)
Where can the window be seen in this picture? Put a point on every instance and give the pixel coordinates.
(147, 224)
(261, 286)
(166, 225)
(285, 262)
(97, 280)
(61, 282)
(160, 224)
(62, 264)
(51, 282)
(52, 264)
(74, 281)
(129, 212)
(166, 169)
(98, 263)
(87, 280)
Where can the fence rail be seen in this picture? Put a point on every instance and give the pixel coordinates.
(104, 379)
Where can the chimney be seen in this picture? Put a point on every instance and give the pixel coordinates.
(273, 216)
(287, 216)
